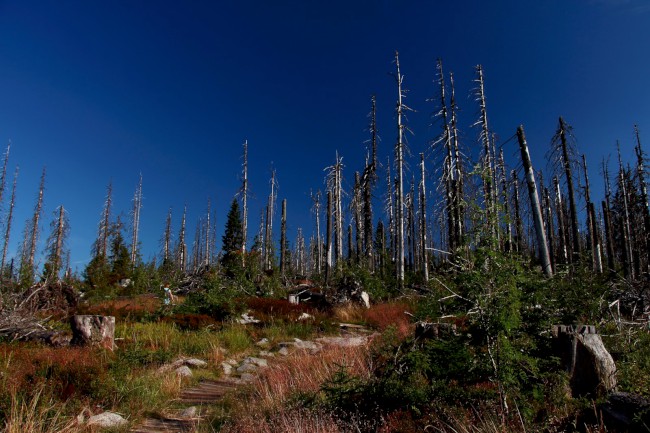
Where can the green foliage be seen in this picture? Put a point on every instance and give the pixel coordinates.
(233, 237)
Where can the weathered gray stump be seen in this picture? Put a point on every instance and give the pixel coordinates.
(93, 331)
(584, 356)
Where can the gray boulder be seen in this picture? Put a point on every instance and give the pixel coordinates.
(107, 420)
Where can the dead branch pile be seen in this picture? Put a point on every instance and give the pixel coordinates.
(22, 314)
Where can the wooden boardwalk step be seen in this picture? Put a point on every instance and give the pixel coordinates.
(152, 425)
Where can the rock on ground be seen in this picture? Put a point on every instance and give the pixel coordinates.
(184, 371)
(107, 420)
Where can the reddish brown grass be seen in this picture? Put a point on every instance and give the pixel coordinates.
(126, 308)
(67, 372)
(286, 421)
(382, 316)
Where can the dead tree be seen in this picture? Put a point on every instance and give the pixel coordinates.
(627, 230)
(505, 199)
(299, 256)
(643, 188)
(283, 238)
(3, 176)
(135, 225)
(484, 137)
(390, 212)
(31, 238)
(319, 249)
(181, 246)
(459, 205)
(357, 213)
(561, 223)
(423, 221)
(270, 213)
(448, 173)
(550, 230)
(328, 239)
(592, 224)
(334, 185)
(563, 151)
(105, 223)
(245, 197)
(610, 247)
(9, 220)
(519, 226)
(167, 237)
(534, 200)
(369, 179)
(399, 187)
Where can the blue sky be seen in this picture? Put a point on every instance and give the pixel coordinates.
(101, 91)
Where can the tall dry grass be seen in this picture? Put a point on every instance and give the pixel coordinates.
(38, 414)
(300, 373)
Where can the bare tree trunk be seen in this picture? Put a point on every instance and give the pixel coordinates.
(390, 212)
(328, 239)
(3, 176)
(640, 172)
(283, 238)
(448, 172)
(104, 225)
(167, 237)
(358, 219)
(534, 199)
(181, 260)
(137, 205)
(609, 244)
(10, 215)
(369, 180)
(550, 231)
(559, 205)
(506, 207)
(269, 225)
(27, 264)
(519, 227)
(591, 224)
(487, 162)
(244, 193)
(627, 230)
(459, 206)
(399, 161)
(319, 250)
(562, 132)
(423, 221)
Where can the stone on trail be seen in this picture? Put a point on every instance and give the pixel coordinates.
(189, 412)
(247, 368)
(183, 371)
(196, 363)
(283, 351)
(107, 420)
(227, 368)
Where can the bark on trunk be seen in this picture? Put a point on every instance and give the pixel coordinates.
(93, 331)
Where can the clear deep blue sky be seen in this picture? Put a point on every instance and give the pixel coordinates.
(101, 91)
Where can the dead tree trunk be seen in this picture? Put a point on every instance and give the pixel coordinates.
(459, 205)
(10, 215)
(3, 176)
(31, 238)
(519, 226)
(534, 199)
(591, 224)
(627, 230)
(135, 224)
(244, 192)
(369, 180)
(487, 162)
(181, 248)
(423, 221)
(561, 225)
(399, 161)
(328, 239)
(167, 237)
(550, 231)
(562, 132)
(640, 170)
(319, 251)
(283, 238)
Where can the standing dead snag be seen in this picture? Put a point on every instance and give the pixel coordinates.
(484, 137)
(564, 150)
(167, 238)
(369, 179)
(244, 198)
(181, 247)
(334, 181)
(10, 214)
(627, 230)
(423, 221)
(643, 188)
(283, 238)
(31, 238)
(270, 213)
(592, 224)
(534, 200)
(137, 205)
(399, 187)
(319, 248)
(328, 237)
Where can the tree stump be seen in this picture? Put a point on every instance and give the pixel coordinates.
(585, 358)
(93, 331)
